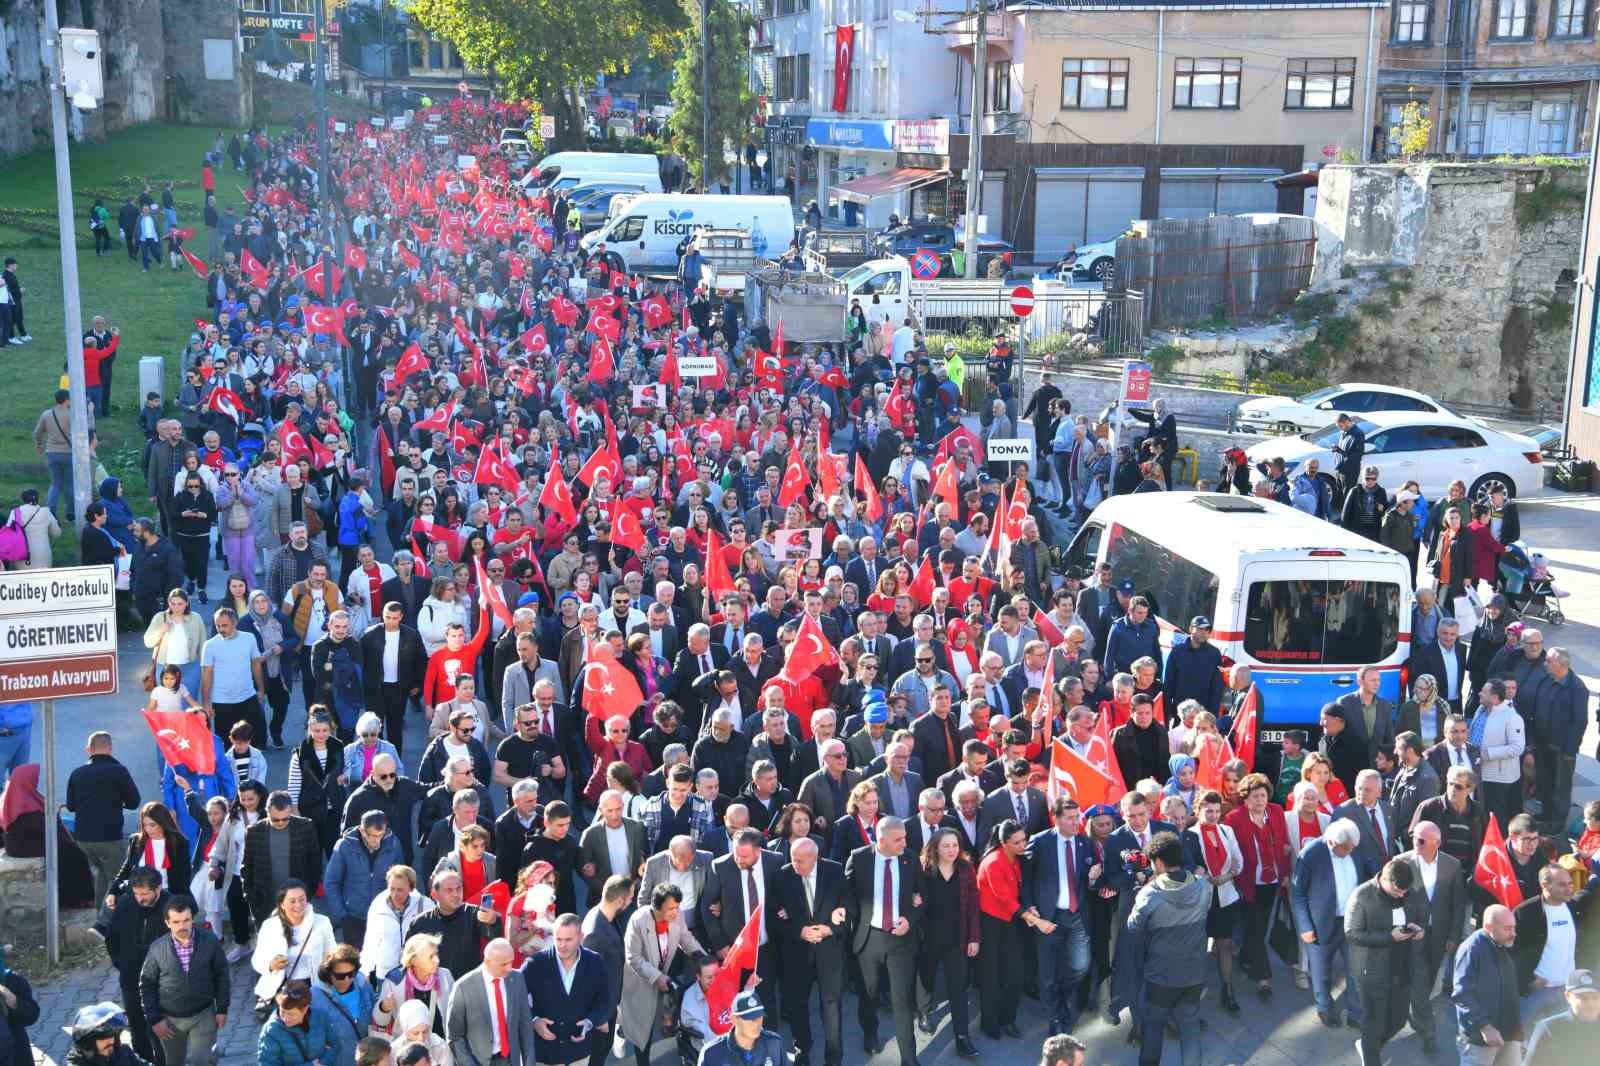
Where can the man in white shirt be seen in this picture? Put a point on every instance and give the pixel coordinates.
(1547, 944)
(1439, 875)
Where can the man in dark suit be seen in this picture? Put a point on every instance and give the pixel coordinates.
(729, 633)
(603, 935)
(1099, 606)
(1445, 660)
(883, 902)
(1018, 800)
(1439, 879)
(405, 588)
(393, 662)
(1369, 718)
(699, 657)
(1455, 749)
(1381, 837)
(663, 634)
(863, 570)
(975, 766)
(568, 1024)
(752, 670)
(1325, 875)
(1140, 744)
(826, 791)
(937, 736)
(1387, 958)
(574, 651)
(809, 913)
(928, 820)
(606, 839)
(737, 883)
(1056, 871)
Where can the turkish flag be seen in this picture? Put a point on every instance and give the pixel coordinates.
(534, 340)
(769, 369)
(603, 461)
(564, 311)
(423, 234)
(1099, 756)
(493, 470)
(1208, 767)
(670, 377)
(412, 361)
(992, 550)
(494, 598)
(609, 689)
(463, 435)
(795, 480)
(625, 527)
(321, 319)
(811, 649)
(718, 580)
(844, 40)
(742, 954)
(602, 367)
(1245, 727)
(868, 490)
(184, 740)
(897, 405)
(947, 444)
(1072, 775)
(313, 281)
(557, 496)
(1493, 873)
(1015, 515)
(828, 470)
(603, 325)
(777, 342)
(227, 402)
(355, 257)
(252, 266)
(945, 485)
(922, 586)
(196, 264)
(440, 419)
(386, 469)
(1049, 632)
(656, 312)
(408, 257)
(292, 443)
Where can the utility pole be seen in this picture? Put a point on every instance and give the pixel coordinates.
(980, 61)
(70, 298)
(328, 236)
(705, 96)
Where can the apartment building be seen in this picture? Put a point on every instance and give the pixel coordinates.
(1103, 111)
(1497, 77)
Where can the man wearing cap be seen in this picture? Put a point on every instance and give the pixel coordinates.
(1570, 1036)
(1399, 526)
(1194, 668)
(750, 1041)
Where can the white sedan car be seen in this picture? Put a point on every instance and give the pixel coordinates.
(1283, 414)
(1430, 449)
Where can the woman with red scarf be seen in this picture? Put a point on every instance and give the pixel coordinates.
(160, 846)
(1264, 846)
(1211, 849)
(472, 859)
(963, 652)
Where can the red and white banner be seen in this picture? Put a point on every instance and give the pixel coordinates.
(844, 52)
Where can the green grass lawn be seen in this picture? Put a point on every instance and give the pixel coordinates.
(155, 311)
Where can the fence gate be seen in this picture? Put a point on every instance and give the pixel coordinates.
(1227, 266)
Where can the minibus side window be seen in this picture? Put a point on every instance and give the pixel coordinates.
(1322, 622)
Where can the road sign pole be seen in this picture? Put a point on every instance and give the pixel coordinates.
(52, 852)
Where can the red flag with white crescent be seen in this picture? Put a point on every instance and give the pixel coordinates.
(494, 598)
(227, 402)
(440, 419)
(718, 580)
(1493, 872)
(184, 739)
(196, 264)
(625, 527)
(796, 480)
(742, 957)
(493, 470)
(868, 490)
(411, 361)
(1245, 728)
(608, 688)
(557, 496)
(1100, 757)
(1072, 775)
(811, 649)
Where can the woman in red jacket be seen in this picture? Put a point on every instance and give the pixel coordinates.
(1000, 925)
(92, 359)
(1486, 550)
(1264, 845)
(950, 892)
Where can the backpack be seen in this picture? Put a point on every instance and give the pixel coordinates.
(13, 540)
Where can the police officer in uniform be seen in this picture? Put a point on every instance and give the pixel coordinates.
(749, 1042)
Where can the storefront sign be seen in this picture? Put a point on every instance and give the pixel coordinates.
(787, 129)
(846, 133)
(928, 135)
(260, 18)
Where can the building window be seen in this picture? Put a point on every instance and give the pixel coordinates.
(298, 7)
(1000, 87)
(785, 88)
(1569, 18)
(1477, 122)
(1411, 21)
(1319, 85)
(1206, 83)
(1094, 84)
(414, 51)
(1555, 120)
(1511, 19)
(1392, 113)
(802, 77)
(435, 54)
(880, 87)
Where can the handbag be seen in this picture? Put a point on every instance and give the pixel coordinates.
(148, 678)
(1468, 611)
(1281, 935)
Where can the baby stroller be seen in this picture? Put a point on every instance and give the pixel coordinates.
(1528, 585)
(252, 438)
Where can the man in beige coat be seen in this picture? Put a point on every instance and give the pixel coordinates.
(650, 962)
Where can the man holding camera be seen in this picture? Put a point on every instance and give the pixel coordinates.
(1386, 924)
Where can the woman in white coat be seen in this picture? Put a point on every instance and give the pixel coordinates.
(38, 525)
(649, 954)
(391, 911)
(438, 611)
(292, 943)
(1212, 851)
(1304, 820)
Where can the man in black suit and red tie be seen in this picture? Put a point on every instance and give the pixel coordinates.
(885, 904)
(810, 919)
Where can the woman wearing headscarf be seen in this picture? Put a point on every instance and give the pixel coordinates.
(963, 652)
(1181, 783)
(22, 815)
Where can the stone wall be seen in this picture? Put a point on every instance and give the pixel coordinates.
(1463, 276)
(22, 906)
(217, 93)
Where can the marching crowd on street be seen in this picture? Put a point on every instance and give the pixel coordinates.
(507, 717)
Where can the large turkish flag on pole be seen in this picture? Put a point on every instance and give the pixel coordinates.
(844, 50)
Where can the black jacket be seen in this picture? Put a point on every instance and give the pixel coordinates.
(393, 591)
(179, 872)
(400, 804)
(413, 660)
(166, 989)
(156, 570)
(305, 862)
(24, 1014)
(98, 792)
(130, 929)
(1533, 934)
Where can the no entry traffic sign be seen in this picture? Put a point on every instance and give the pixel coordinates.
(925, 264)
(1022, 301)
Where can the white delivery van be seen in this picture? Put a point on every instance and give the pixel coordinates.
(646, 233)
(639, 168)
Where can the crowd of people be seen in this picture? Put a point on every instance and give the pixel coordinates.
(734, 702)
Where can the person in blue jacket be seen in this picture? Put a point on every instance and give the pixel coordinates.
(297, 1033)
(353, 526)
(1194, 668)
(357, 874)
(749, 1041)
(219, 782)
(1133, 636)
(344, 995)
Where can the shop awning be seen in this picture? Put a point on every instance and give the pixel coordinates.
(872, 186)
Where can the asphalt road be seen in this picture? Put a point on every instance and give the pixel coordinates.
(1282, 1030)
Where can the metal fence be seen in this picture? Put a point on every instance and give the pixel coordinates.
(1063, 320)
(1224, 267)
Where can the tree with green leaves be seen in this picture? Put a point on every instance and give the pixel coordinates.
(545, 50)
(732, 103)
